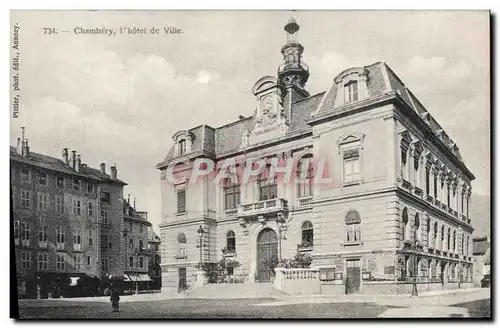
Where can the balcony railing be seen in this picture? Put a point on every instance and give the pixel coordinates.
(305, 200)
(262, 207)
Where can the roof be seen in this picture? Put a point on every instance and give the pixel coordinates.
(381, 81)
(57, 165)
(130, 213)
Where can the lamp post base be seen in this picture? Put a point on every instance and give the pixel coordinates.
(414, 291)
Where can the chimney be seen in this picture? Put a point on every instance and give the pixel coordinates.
(78, 163)
(18, 148)
(26, 149)
(128, 199)
(21, 150)
(113, 172)
(65, 156)
(103, 168)
(73, 159)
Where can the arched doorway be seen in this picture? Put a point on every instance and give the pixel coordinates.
(267, 253)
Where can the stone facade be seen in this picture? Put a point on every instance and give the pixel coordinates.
(371, 223)
(67, 219)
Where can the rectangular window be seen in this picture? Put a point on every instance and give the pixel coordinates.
(60, 181)
(89, 260)
(42, 179)
(141, 228)
(90, 209)
(90, 187)
(76, 184)
(231, 197)
(105, 243)
(105, 196)
(17, 231)
(181, 201)
(131, 243)
(427, 181)
(25, 176)
(352, 172)
(43, 261)
(25, 198)
(77, 261)
(60, 263)
(105, 265)
(141, 262)
(141, 245)
(77, 209)
(43, 233)
(60, 237)
(131, 227)
(353, 233)
(131, 262)
(60, 204)
(25, 233)
(91, 237)
(25, 260)
(448, 195)
(462, 204)
(43, 201)
(268, 189)
(77, 239)
(351, 90)
(104, 218)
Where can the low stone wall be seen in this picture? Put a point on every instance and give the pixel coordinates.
(297, 281)
(335, 287)
(402, 288)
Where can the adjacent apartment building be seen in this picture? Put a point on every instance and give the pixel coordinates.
(154, 243)
(136, 227)
(395, 209)
(67, 219)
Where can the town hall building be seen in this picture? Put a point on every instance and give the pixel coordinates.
(395, 209)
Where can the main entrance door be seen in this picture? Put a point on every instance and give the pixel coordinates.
(267, 251)
(353, 275)
(182, 278)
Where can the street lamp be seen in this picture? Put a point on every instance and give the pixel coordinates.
(414, 291)
(200, 234)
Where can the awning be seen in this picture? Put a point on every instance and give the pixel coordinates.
(137, 277)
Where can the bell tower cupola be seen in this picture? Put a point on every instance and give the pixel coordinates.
(293, 72)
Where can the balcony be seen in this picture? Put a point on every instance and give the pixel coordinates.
(266, 207)
(43, 244)
(25, 243)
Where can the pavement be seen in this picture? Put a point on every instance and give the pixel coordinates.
(472, 302)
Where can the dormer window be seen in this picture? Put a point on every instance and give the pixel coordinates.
(183, 141)
(182, 147)
(351, 91)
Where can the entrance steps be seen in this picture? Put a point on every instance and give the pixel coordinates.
(234, 291)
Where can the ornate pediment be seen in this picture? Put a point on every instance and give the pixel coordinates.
(350, 137)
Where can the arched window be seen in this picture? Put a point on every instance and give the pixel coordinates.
(353, 227)
(429, 232)
(454, 242)
(442, 237)
(305, 176)
(435, 234)
(307, 234)
(405, 224)
(448, 237)
(268, 188)
(463, 244)
(230, 241)
(181, 241)
(416, 228)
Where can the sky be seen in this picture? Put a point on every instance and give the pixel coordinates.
(119, 99)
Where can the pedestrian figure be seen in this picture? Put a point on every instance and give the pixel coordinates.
(115, 300)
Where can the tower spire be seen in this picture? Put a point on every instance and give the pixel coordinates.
(293, 71)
